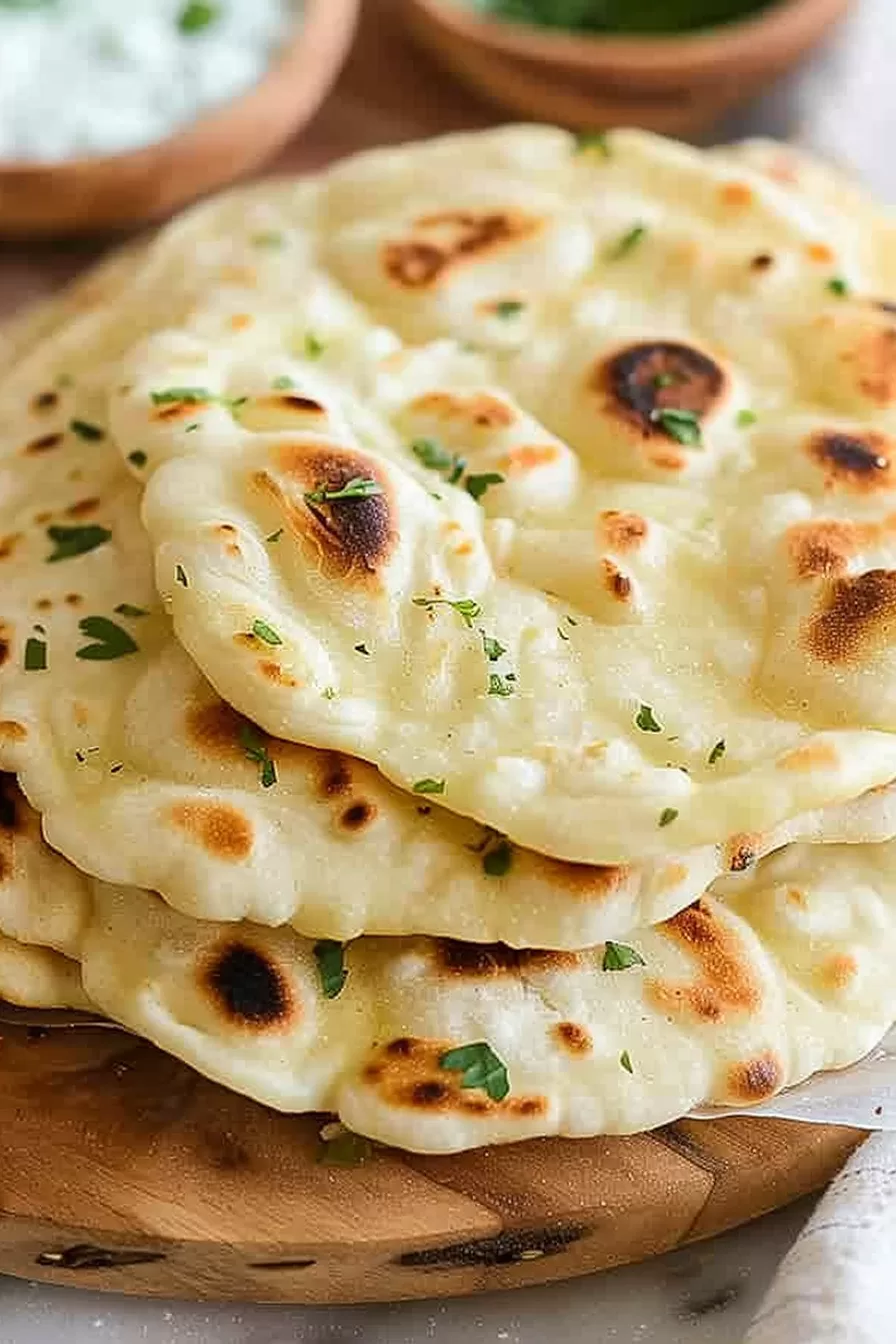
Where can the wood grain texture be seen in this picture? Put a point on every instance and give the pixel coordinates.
(121, 1169)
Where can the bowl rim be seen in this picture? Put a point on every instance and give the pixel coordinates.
(790, 23)
(329, 24)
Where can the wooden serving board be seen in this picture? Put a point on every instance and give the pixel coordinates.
(122, 1169)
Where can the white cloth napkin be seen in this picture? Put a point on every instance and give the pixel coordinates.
(838, 1283)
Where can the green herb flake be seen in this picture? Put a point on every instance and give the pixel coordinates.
(429, 786)
(479, 1067)
(746, 418)
(261, 630)
(498, 859)
(627, 243)
(360, 487)
(491, 647)
(330, 959)
(362, 648)
(467, 609)
(477, 485)
(498, 685)
(431, 453)
(35, 655)
(593, 141)
(668, 815)
(329, 693)
(681, 425)
(343, 1148)
(625, 1060)
(254, 745)
(275, 536)
(458, 467)
(72, 541)
(196, 16)
(283, 384)
(85, 430)
(186, 396)
(507, 308)
(717, 752)
(314, 347)
(125, 609)
(839, 286)
(645, 720)
(180, 576)
(110, 640)
(137, 459)
(664, 379)
(270, 238)
(620, 957)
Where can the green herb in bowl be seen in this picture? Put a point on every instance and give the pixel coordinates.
(621, 16)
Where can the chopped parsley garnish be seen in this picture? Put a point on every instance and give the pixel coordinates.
(137, 459)
(35, 655)
(330, 960)
(329, 693)
(275, 536)
(268, 238)
(478, 1066)
(498, 685)
(477, 485)
(72, 541)
(664, 379)
(717, 752)
(491, 648)
(180, 576)
(255, 747)
(619, 957)
(681, 425)
(645, 720)
(340, 1147)
(467, 609)
(85, 430)
(362, 648)
(596, 140)
(265, 632)
(429, 786)
(627, 243)
(837, 285)
(507, 308)
(360, 487)
(431, 453)
(110, 640)
(625, 1060)
(189, 396)
(284, 383)
(314, 347)
(668, 815)
(196, 15)
(746, 418)
(498, 859)
(125, 609)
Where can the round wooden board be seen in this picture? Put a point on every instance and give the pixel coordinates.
(123, 1170)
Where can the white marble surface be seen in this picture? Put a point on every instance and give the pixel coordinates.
(843, 104)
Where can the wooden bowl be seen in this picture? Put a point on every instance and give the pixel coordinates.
(677, 84)
(86, 195)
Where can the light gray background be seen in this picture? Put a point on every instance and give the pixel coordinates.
(844, 105)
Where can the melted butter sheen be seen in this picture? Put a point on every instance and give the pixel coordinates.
(80, 77)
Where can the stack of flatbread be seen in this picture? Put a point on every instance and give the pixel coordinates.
(448, 637)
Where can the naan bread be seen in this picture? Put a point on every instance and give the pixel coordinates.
(145, 777)
(670, 622)
(772, 976)
(37, 977)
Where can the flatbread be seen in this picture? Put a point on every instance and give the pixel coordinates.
(37, 977)
(145, 777)
(772, 976)
(660, 644)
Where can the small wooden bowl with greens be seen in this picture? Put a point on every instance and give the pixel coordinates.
(673, 66)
